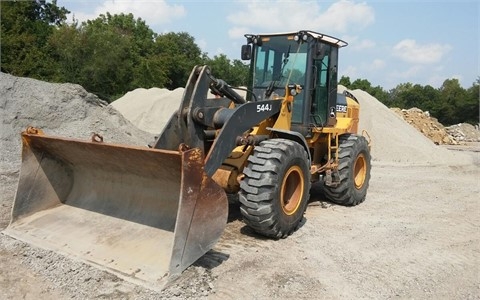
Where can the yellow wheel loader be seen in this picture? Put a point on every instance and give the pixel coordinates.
(147, 213)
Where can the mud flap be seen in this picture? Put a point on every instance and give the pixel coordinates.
(143, 214)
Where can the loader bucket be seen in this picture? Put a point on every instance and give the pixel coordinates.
(142, 214)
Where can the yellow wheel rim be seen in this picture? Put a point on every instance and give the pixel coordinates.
(360, 171)
(291, 192)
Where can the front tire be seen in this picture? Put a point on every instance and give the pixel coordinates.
(276, 187)
(353, 176)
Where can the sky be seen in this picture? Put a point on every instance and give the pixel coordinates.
(390, 42)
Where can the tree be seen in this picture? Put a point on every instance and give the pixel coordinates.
(177, 53)
(240, 73)
(235, 72)
(471, 105)
(451, 96)
(450, 104)
(66, 45)
(345, 81)
(25, 28)
(365, 85)
(414, 96)
(108, 68)
(108, 56)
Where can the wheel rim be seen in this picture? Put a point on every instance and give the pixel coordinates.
(291, 192)
(360, 171)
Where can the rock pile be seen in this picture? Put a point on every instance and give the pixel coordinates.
(427, 125)
(435, 131)
(464, 132)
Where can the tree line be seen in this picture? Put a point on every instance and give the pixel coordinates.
(108, 56)
(114, 54)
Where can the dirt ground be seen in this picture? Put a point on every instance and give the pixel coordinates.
(416, 236)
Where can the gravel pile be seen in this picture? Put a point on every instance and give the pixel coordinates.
(149, 109)
(58, 109)
(395, 141)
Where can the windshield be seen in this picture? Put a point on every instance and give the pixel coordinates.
(280, 60)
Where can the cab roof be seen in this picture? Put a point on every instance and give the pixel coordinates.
(316, 35)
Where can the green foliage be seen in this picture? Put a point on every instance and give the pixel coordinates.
(471, 104)
(177, 53)
(235, 72)
(25, 28)
(450, 104)
(365, 85)
(108, 56)
(345, 81)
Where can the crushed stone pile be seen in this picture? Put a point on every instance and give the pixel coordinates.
(149, 109)
(427, 125)
(464, 132)
(66, 110)
(394, 141)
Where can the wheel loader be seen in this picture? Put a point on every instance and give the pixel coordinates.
(147, 213)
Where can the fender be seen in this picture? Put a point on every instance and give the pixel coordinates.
(294, 136)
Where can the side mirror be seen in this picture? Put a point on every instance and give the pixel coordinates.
(246, 52)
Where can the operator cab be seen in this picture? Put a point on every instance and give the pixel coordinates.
(306, 58)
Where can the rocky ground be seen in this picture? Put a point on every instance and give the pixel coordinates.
(415, 237)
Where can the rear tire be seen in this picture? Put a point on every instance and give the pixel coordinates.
(354, 164)
(275, 189)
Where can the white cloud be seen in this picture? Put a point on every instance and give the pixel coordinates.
(410, 51)
(152, 12)
(436, 80)
(408, 75)
(279, 16)
(344, 15)
(377, 64)
(202, 43)
(219, 51)
(350, 71)
(359, 45)
(237, 32)
(457, 76)
(365, 44)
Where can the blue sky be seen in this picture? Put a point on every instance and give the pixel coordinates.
(390, 42)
